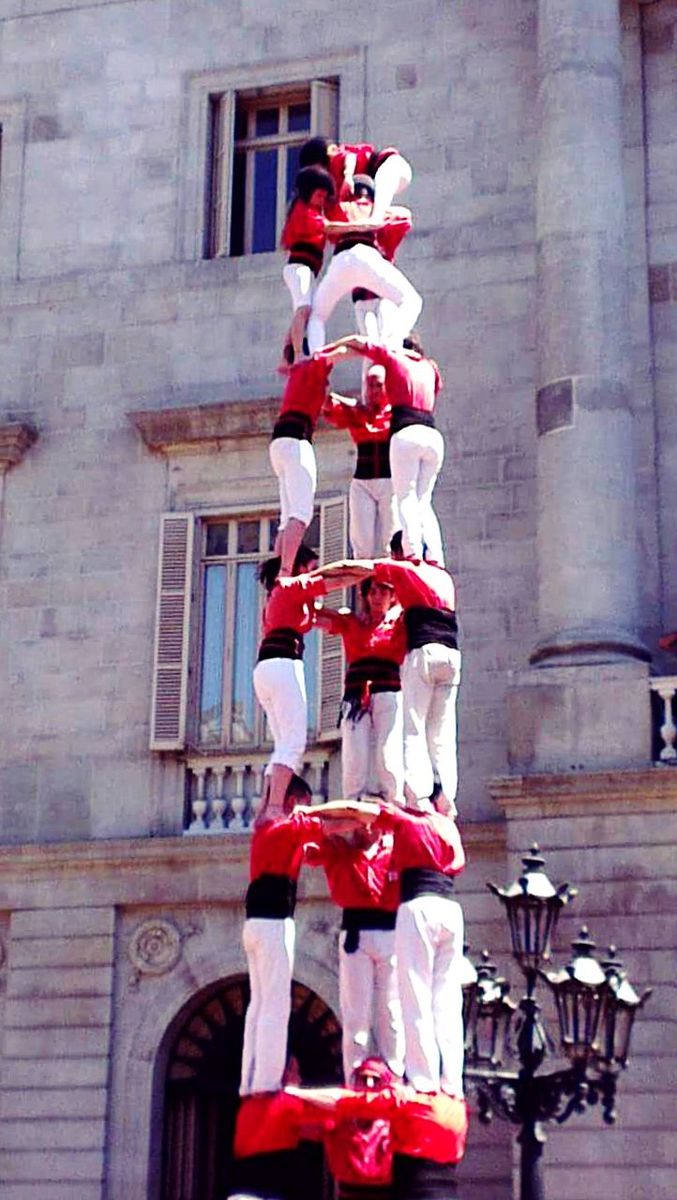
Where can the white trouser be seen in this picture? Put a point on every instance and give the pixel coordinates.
(373, 517)
(269, 946)
(429, 948)
(430, 679)
(416, 457)
(393, 176)
(370, 1001)
(362, 266)
(280, 687)
(293, 461)
(301, 283)
(372, 746)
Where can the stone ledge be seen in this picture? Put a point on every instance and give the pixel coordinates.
(588, 793)
(204, 426)
(16, 437)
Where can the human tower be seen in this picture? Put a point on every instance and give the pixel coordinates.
(390, 847)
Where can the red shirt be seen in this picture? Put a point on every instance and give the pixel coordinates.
(358, 1152)
(386, 640)
(392, 233)
(290, 604)
(337, 163)
(361, 426)
(426, 840)
(411, 380)
(358, 878)
(304, 224)
(306, 387)
(278, 847)
(267, 1123)
(433, 1127)
(417, 583)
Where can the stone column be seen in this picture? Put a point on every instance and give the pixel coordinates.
(590, 708)
(587, 530)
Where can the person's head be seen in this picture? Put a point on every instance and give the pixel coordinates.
(363, 188)
(316, 152)
(372, 1075)
(396, 545)
(315, 186)
(269, 571)
(378, 596)
(376, 384)
(298, 792)
(413, 342)
(306, 559)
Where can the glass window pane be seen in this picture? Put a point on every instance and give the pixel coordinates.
(241, 118)
(299, 117)
(292, 168)
(217, 540)
(312, 535)
(238, 200)
(310, 662)
(272, 533)
(213, 633)
(265, 201)
(267, 121)
(245, 648)
(248, 537)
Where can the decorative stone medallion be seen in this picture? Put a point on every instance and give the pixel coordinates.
(155, 947)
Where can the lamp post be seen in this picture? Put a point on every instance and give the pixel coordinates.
(596, 1007)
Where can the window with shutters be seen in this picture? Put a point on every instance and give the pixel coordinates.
(254, 141)
(208, 629)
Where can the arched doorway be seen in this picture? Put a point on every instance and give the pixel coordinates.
(201, 1084)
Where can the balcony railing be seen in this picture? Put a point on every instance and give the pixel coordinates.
(664, 688)
(223, 792)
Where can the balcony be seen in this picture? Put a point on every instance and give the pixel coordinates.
(664, 689)
(223, 791)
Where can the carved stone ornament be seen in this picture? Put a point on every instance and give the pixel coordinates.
(155, 947)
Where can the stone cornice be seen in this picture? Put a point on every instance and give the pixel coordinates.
(16, 437)
(160, 870)
(646, 790)
(204, 426)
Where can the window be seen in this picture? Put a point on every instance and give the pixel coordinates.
(254, 143)
(208, 628)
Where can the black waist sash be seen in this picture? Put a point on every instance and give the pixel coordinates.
(425, 625)
(417, 1178)
(268, 1176)
(354, 920)
(351, 240)
(281, 643)
(271, 896)
(294, 425)
(365, 678)
(404, 415)
(363, 1191)
(422, 881)
(373, 460)
(311, 256)
(363, 294)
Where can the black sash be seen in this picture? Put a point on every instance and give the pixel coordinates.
(365, 678)
(354, 239)
(271, 896)
(404, 415)
(356, 919)
(310, 256)
(373, 460)
(425, 625)
(281, 643)
(294, 425)
(267, 1176)
(363, 1191)
(421, 881)
(423, 1179)
(363, 294)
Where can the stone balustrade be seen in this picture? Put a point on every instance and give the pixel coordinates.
(223, 791)
(665, 686)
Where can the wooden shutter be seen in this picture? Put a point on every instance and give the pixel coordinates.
(324, 98)
(170, 660)
(222, 133)
(333, 542)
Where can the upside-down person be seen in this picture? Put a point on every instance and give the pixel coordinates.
(390, 172)
(412, 383)
(357, 865)
(358, 263)
(291, 449)
(304, 236)
(279, 679)
(372, 511)
(371, 709)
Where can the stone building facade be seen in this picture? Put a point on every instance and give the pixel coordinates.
(139, 333)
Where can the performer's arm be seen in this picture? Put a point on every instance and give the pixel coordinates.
(363, 811)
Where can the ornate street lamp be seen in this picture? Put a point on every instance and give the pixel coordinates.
(596, 1007)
